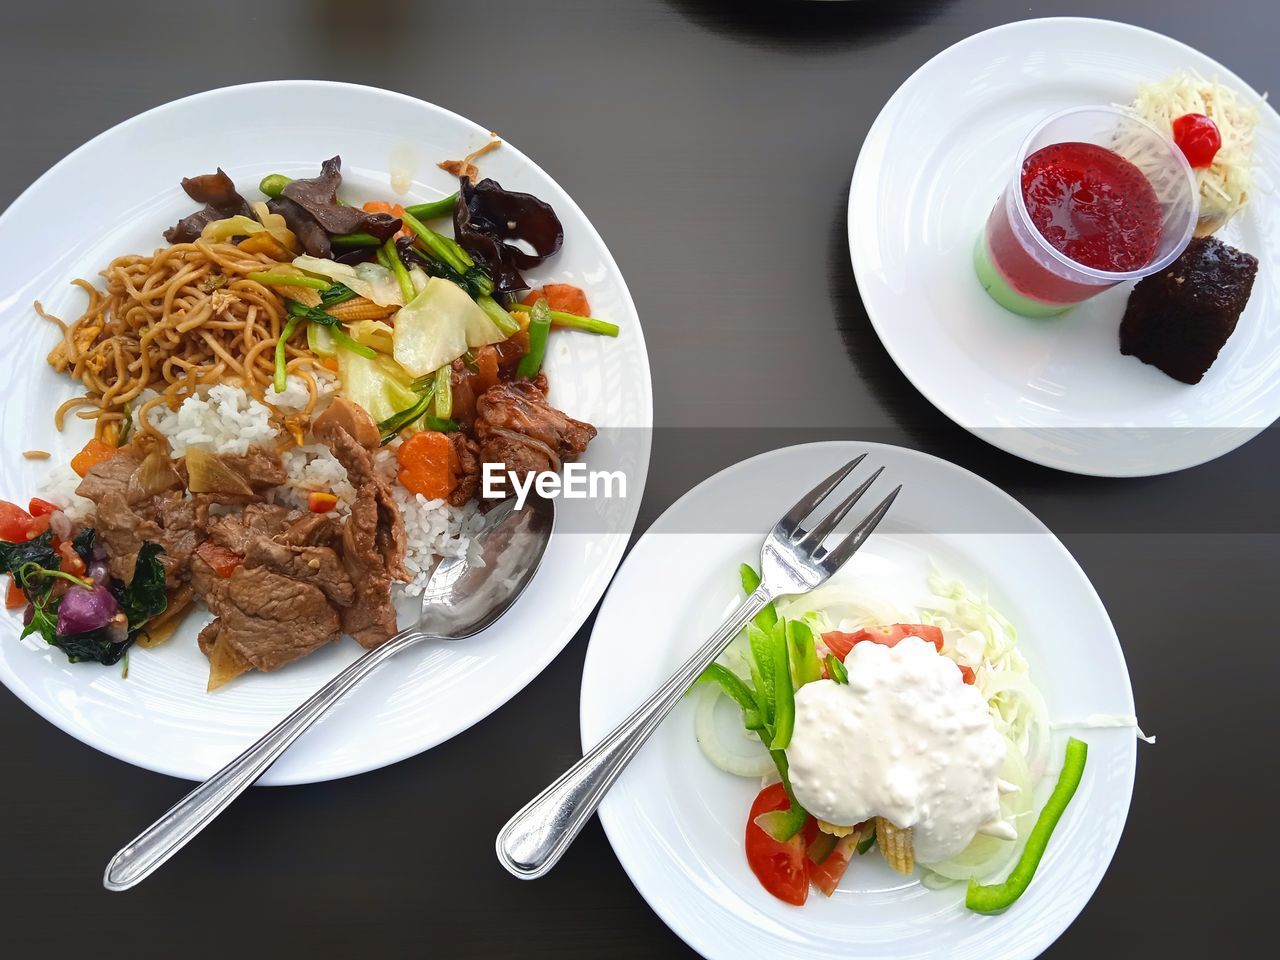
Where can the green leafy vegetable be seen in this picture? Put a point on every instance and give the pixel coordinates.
(298, 311)
(398, 268)
(83, 544)
(336, 294)
(145, 596)
(25, 561)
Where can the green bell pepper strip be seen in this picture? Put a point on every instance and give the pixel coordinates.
(767, 617)
(288, 280)
(762, 676)
(436, 208)
(836, 669)
(992, 898)
(784, 695)
(444, 392)
(804, 653)
(281, 381)
(782, 825)
(821, 847)
(539, 326)
(867, 842)
(399, 269)
(735, 689)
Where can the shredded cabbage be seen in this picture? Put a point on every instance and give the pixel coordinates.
(1225, 183)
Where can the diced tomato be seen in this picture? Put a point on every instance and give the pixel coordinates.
(781, 868)
(39, 525)
(321, 502)
(71, 561)
(222, 560)
(14, 522)
(94, 453)
(967, 673)
(427, 465)
(14, 597)
(841, 643)
(38, 507)
(564, 297)
(826, 875)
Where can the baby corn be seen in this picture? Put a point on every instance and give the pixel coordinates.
(895, 844)
(304, 295)
(360, 308)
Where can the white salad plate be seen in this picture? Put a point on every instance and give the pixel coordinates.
(1054, 391)
(115, 195)
(677, 823)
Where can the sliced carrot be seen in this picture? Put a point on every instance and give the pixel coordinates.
(564, 297)
(94, 453)
(222, 560)
(381, 206)
(427, 465)
(14, 597)
(321, 502)
(330, 363)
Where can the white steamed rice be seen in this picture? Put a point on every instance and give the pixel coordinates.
(226, 419)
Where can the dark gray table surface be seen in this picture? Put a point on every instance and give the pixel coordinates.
(711, 143)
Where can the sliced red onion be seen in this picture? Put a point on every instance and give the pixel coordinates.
(61, 525)
(98, 572)
(83, 610)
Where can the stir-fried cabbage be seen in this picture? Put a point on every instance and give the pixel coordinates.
(372, 281)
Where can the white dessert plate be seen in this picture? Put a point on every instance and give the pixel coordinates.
(1056, 391)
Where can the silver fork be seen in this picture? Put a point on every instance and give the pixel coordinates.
(792, 561)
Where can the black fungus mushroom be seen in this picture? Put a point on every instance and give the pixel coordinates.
(319, 197)
(217, 192)
(486, 217)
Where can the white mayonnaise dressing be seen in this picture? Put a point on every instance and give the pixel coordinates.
(906, 739)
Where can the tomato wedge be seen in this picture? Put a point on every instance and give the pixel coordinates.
(841, 643)
(826, 875)
(14, 522)
(781, 868)
(38, 507)
(14, 598)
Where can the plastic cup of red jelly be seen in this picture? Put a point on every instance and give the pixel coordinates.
(1100, 197)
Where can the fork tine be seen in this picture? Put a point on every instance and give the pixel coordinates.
(822, 529)
(806, 504)
(834, 560)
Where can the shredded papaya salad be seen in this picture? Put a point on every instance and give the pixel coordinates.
(917, 730)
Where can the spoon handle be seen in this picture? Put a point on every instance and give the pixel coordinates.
(534, 839)
(178, 826)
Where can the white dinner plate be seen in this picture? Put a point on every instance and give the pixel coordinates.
(677, 823)
(1055, 391)
(115, 195)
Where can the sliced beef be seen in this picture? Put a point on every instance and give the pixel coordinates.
(318, 565)
(467, 454)
(130, 512)
(311, 530)
(517, 427)
(270, 619)
(235, 531)
(373, 538)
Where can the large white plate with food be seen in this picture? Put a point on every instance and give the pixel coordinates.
(1057, 390)
(115, 196)
(678, 823)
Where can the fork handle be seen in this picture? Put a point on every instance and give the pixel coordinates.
(179, 825)
(535, 839)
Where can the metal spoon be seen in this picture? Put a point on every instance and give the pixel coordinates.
(460, 601)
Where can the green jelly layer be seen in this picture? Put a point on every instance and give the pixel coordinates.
(1005, 295)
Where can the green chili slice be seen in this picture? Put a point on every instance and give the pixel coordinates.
(992, 898)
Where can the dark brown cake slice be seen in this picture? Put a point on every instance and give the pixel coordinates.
(1179, 319)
